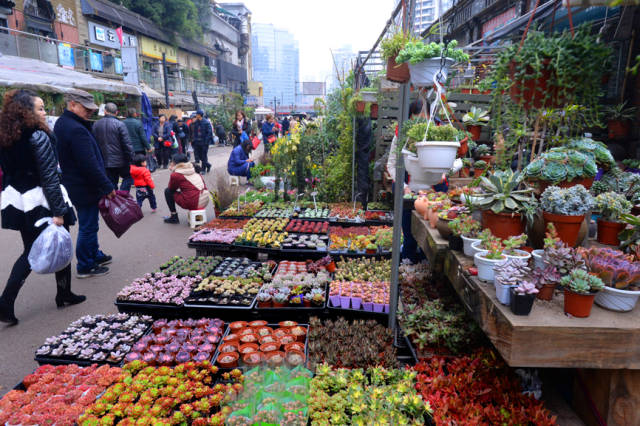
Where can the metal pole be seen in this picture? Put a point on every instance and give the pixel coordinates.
(166, 79)
(398, 195)
(353, 160)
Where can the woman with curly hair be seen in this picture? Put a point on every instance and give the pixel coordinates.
(31, 190)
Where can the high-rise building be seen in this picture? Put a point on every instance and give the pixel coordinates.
(276, 63)
(344, 58)
(427, 11)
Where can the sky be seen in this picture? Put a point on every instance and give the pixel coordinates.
(320, 25)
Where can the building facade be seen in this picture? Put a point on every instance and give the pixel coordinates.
(276, 63)
(343, 58)
(427, 12)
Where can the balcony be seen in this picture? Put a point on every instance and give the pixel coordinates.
(181, 84)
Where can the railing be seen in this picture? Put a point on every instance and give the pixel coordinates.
(181, 84)
(75, 56)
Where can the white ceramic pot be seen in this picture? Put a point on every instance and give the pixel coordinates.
(466, 246)
(475, 248)
(503, 293)
(538, 259)
(422, 73)
(520, 254)
(420, 178)
(437, 156)
(486, 266)
(617, 300)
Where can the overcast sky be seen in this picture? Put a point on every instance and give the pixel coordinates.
(319, 25)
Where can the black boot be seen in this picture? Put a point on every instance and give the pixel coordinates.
(172, 219)
(6, 313)
(64, 296)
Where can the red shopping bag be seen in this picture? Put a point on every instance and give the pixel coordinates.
(120, 212)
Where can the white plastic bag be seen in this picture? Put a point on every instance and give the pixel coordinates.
(52, 250)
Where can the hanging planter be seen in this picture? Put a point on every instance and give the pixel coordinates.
(374, 111)
(529, 90)
(423, 73)
(398, 73)
(360, 106)
(437, 156)
(420, 179)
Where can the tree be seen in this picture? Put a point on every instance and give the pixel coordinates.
(177, 16)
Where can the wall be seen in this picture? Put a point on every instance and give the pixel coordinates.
(190, 61)
(65, 24)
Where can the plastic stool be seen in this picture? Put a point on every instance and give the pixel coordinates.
(197, 218)
(234, 180)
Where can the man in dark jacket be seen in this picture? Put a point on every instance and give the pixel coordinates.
(201, 135)
(285, 126)
(221, 134)
(117, 153)
(137, 135)
(84, 177)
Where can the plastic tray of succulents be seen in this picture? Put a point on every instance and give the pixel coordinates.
(192, 302)
(154, 309)
(293, 308)
(274, 326)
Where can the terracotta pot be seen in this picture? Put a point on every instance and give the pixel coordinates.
(529, 92)
(374, 111)
(546, 292)
(608, 232)
(279, 305)
(568, 227)
(443, 228)
(618, 129)
(503, 225)
(478, 172)
(464, 147)
(537, 232)
(230, 364)
(421, 205)
(578, 305)
(252, 359)
(397, 72)
(475, 132)
(360, 106)
(267, 304)
(331, 267)
(465, 172)
(487, 158)
(433, 217)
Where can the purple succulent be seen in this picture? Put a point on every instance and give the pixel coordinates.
(613, 267)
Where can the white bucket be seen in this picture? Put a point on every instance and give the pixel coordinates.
(503, 293)
(419, 176)
(437, 156)
(537, 258)
(466, 246)
(486, 266)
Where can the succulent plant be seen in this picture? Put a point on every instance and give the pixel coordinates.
(615, 268)
(526, 287)
(580, 281)
(561, 164)
(501, 194)
(465, 225)
(547, 276)
(611, 206)
(574, 201)
(615, 180)
(512, 272)
(562, 258)
(513, 243)
(597, 150)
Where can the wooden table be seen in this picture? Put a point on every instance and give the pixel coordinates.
(429, 240)
(605, 346)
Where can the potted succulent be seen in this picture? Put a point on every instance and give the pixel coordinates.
(512, 247)
(467, 229)
(522, 298)
(475, 119)
(390, 47)
(619, 120)
(503, 204)
(620, 275)
(566, 208)
(479, 167)
(580, 290)
(487, 260)
(465, 171)
(281, 298)
(563, 167)
(427, 60)
(509, 274)
(611, 206)
(551, 238)
(264, 300)
(483, 152)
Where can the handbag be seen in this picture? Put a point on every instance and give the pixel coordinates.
(120, 212)
(271, 138)
(152, 163)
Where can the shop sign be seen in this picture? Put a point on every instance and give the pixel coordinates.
(498, 21)
(118, 65)
(96, 61)
(154, 49)
(108, 37)
(65, 55)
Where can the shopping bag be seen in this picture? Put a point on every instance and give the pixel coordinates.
(271, 138)
(52, 250)
(120, 212)
(152, 163)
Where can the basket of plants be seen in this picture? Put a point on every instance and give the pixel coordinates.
(242, 210)
(307, 227)
(56, 395)
(94, 339)
(178, 341)
(265, 233)
(272, 397)
(312, 242)
(293, 286)
(225, 293)
(156, 291)
(186, 394)
(255, 343)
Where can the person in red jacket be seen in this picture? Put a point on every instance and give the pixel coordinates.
(186, 188)
(143, 182)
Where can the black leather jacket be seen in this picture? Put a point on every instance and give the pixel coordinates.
(46, 162)
(113, 138)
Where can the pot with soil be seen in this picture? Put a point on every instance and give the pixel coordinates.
(608, 232)
(486, 265)
(521, 304)
(443, 228)
(398, 73)
(617, 299)
(567, 226)
(503, 225)
(546, 291)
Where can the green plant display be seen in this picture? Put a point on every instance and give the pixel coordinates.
(597, 150)
(501, 194)
(615, 180)
(436, 133)
(574, 201)
(612, 205)
(561, 164)
(476, 117)
(390, 47)
(415, 51)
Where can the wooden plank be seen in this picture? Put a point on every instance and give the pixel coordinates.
(547, 337)
(429, 240)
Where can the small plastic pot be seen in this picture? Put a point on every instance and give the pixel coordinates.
(252, 359)
(521, 304)
(249, 338)
(268, 339)
(345, 302)
(299, 332)
(228, 360)
(378, 307)
(244, 331)
(367, 306)
(263, 331)
(279, 332)
(356, 302)
(228, 347)
(335, 301)
(231, 338)
(269, 347)
(546, 292)
(295, 358)
(331, 267)
(298, 346)
(287, 324)
(237, 325)
(288, 338)
(265, 304)
(257, 324)
(275, 359)
(248, 348)
(578, 305)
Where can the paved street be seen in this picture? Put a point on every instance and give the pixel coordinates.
(142, 249)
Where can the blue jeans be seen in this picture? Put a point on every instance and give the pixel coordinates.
(87, 247)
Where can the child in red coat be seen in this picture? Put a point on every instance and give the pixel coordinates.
(143, 182)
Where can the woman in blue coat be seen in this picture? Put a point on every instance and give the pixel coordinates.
(239, 162)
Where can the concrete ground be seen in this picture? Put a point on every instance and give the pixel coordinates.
(142, 249)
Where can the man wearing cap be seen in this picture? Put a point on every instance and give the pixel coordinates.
(201, 136)
(84, 176)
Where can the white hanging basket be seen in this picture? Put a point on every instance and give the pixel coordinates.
(617, 300)
(437, 156)
(422, 73)
(420, 178)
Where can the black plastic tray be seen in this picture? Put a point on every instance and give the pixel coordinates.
(214, 308)
(156, 310)
(244, 367)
